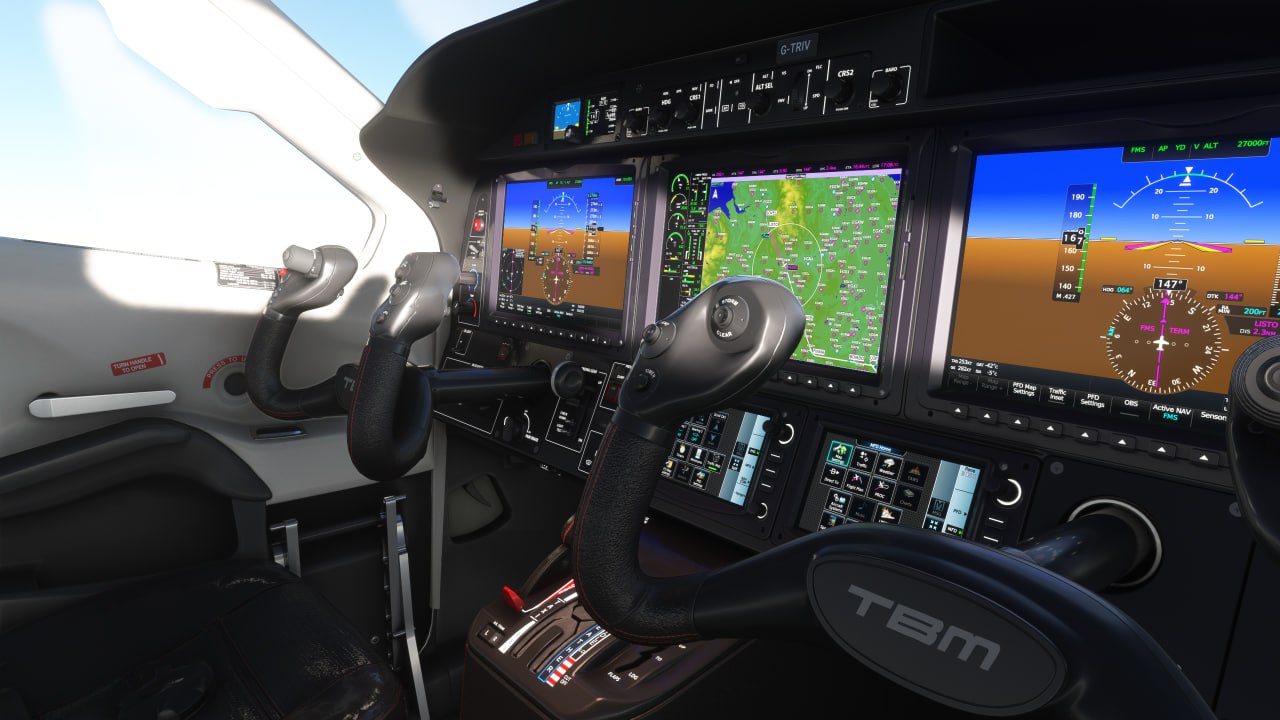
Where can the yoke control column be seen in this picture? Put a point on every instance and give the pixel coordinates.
(389, 423)
(313, 278)
(390, 418)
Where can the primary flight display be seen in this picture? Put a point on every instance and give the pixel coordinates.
(564, 251)
(1120, 281)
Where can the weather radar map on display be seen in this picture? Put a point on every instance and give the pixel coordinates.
(565, 247)
(824, 231)
(1119, 281)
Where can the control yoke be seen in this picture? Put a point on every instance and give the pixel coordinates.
(978, 629)
(1253, 439)
(390, 419)
(388, 401)
(312, 279)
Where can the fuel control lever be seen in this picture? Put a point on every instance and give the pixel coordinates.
(312, 279)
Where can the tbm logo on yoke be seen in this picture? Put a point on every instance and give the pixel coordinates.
(926, 629)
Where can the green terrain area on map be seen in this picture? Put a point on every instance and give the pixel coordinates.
(827, 238)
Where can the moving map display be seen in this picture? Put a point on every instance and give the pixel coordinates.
(825, 231)
(1119, 281)
(565, 247)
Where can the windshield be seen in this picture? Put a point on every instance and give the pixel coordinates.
(377, 40)
(121, 133)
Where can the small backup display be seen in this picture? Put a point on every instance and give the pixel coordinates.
(1117, 284)
(564, 253)
(826, 231)
(564, 115)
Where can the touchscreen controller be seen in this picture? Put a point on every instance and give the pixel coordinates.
(862, 480)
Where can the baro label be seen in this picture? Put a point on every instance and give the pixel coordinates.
(138, 364)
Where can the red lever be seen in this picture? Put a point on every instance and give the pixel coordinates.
(512, 598)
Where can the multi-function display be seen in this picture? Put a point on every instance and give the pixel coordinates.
(717, 453)
(564, 254)
(825, 231)
(862, 480)
(1118, 281)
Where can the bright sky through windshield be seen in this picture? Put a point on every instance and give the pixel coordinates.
(377, 40)
(103, 150)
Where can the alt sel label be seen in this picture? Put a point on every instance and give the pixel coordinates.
(801, 47)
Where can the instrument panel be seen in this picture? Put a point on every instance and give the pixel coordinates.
(1080, 299)
(980, 300)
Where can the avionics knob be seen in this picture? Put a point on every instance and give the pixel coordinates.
(759, 101)
(886, 86)
(662, 117)
(838, 90)
(634, 121)
(682, 110)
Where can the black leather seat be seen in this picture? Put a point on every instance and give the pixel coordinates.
(237, 640)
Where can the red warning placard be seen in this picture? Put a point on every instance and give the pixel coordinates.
(228, 360)
(138, 364)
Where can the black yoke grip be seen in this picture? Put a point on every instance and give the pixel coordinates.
(262, 375)
(390, 419)
(610, 517)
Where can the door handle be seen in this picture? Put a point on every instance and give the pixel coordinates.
(54, 407)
